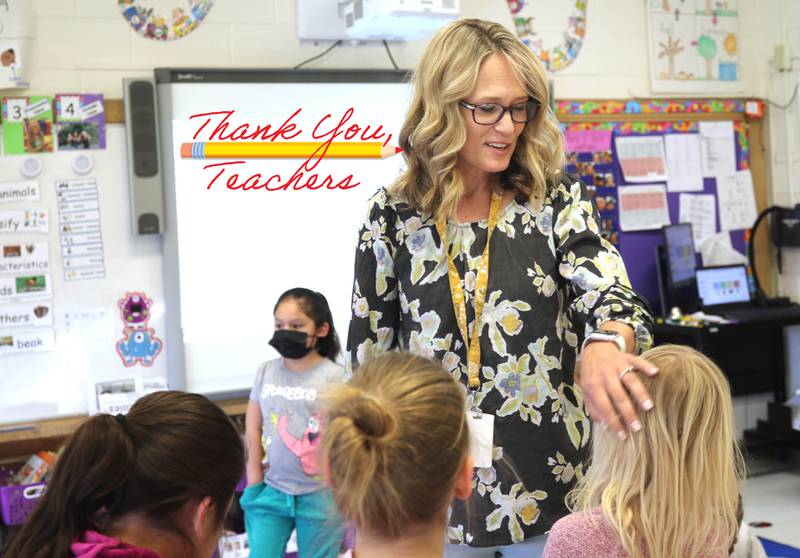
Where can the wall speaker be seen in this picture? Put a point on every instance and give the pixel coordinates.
(144, 170)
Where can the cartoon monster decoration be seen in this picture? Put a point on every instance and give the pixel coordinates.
(140, 346)
(135, 309)
(153, 25)
(559, 56)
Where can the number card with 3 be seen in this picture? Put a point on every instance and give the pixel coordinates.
(14, 109)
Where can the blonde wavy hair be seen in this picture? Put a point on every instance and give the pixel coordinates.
(671, 489)
(395, 440)
(433, 131)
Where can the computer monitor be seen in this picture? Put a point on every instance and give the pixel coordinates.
(681, 262)
(675, 266)
(723, 285)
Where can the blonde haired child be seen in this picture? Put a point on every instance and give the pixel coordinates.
(396, 450)
(671, 489)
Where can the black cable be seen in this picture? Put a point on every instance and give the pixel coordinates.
(389, 52)
(761, 296)
(787, 105)
(320, 55)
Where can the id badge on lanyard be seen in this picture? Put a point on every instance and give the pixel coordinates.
(481, 425)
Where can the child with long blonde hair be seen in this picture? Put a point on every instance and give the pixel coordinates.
(396, 453)
(669, 490)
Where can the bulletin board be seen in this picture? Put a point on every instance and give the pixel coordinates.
(659, 117)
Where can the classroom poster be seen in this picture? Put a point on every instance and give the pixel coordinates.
(79, 226)
(17, 31)
(81, 121)
(27, 342)
(643, 208)
(15, 288)
(684, 163)
(589, 156)
(717, 148)
(641, 158)
(694, 45)
(24, 258)
(32, 314)
(737, 202)
(11, 192)
(27, 125)
(24, 221)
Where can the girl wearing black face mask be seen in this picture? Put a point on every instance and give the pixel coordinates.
(282, 433)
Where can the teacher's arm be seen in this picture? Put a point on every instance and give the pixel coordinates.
(375, 305)
(605, 300)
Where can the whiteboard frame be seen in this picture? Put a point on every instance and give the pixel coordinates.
(164, 78)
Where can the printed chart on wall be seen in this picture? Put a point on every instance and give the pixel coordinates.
(694, 45)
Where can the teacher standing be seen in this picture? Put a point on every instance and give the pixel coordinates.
(486, 256)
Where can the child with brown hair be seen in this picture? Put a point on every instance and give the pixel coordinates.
(156, 483)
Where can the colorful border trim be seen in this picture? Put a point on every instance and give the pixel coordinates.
(652, 106)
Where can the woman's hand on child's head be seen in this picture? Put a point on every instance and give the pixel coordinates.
(609, 380)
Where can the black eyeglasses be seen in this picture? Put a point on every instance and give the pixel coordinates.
(487, 114)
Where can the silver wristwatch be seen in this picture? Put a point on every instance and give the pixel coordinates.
(605, 335)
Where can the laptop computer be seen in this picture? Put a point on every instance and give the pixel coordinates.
(724, 291)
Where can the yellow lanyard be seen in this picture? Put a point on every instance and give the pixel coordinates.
(457, 293)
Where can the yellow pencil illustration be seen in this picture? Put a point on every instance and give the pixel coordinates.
(287, 150)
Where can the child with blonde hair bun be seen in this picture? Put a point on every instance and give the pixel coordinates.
(396, 450)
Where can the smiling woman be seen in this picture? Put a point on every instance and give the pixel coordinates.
(484, 255)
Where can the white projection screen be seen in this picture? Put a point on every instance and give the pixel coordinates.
(230, 249)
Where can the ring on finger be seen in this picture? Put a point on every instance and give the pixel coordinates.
(622, 374)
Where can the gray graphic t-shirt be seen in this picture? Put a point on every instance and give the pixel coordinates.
(291, 430)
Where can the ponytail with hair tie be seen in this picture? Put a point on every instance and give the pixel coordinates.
(374, 420)
(105, 473)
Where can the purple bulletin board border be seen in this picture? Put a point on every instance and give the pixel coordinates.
(638, 248)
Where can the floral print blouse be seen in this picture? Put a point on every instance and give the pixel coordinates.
(552, 279)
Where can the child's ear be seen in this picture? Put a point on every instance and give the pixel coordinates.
(202, 514)
(324, 330)
(463, 486)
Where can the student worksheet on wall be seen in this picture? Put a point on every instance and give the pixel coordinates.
(244, 226)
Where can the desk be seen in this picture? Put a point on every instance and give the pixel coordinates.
(751, 353)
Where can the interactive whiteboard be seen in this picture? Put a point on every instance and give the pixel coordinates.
(240, 231)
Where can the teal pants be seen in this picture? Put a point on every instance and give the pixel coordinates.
(270, 515)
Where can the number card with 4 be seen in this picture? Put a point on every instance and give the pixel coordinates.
(81, 121)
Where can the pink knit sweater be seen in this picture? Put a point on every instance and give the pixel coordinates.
(578, 536)
(575, 536)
